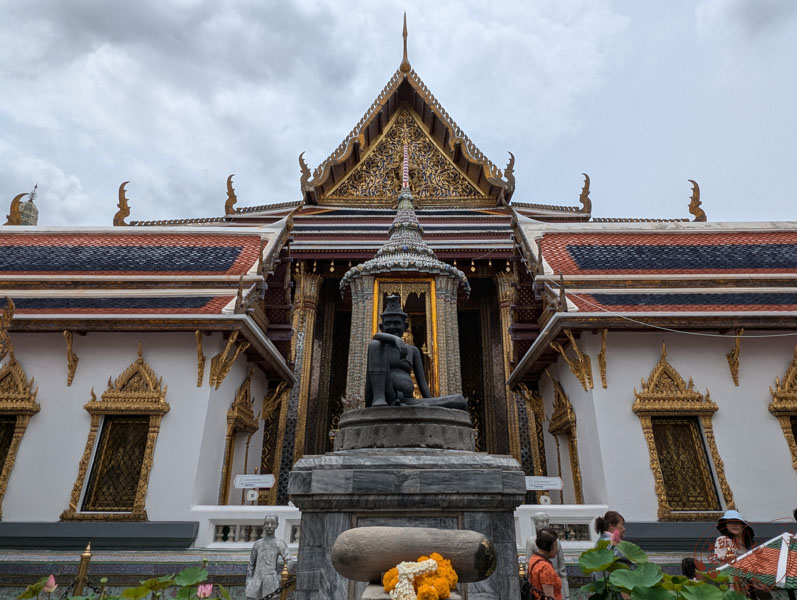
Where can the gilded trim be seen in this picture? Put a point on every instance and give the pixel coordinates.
(563, 422)
(5, 320)
(200, 358)
(666, 394)
(71, 358)
(602, 358)
(17, 399)
(580, 366)
(784, 405)
(221, 364)
(733, 357)
(137, 391)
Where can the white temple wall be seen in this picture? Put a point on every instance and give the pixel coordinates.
(214, 428)
(189, 450)
(749, 439)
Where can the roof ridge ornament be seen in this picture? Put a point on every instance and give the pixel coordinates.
(229, 205)
(586, 202)
(405, 67)
(694, 203)
(14, 216)
(124, 208)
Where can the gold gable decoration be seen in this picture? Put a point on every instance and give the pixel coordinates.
(784, 405)
(137, 391)
(17, 403)
(433, 177)
(667, 394)
(563, 422)
(240, 418)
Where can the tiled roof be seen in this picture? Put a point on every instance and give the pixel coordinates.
(122, 305)
(614, 253)
(106, 254)
(364, 230)
(685, 301)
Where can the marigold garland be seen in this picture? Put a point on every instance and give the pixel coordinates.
(429, 578)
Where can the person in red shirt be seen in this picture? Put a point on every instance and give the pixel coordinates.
(542, 575)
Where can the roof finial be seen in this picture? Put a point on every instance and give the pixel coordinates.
(405, 67)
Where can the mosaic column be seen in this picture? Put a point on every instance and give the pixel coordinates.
(292, 442)
(507, 293)
(448, 336)
(362, 303)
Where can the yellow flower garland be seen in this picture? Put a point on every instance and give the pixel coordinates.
(427, 585)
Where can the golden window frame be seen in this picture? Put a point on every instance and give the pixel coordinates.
(137, 391)
(666, 394)
(18, 400)
(563, 422)
(240, 419)
(784, 405)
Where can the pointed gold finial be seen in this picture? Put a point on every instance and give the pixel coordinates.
(405, 67)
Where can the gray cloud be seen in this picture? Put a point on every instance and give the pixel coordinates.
(174, 96)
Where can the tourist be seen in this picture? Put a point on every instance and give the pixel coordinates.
(689, 568)
(541, 521)
(736, 539)
(610, 526)
(543, 578)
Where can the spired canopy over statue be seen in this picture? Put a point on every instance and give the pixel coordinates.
(406, 261)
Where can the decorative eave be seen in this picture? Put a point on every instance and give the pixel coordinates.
(407, 89)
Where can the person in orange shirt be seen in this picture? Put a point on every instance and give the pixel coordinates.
(543, 578)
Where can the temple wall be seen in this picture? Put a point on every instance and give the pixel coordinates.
(190, 446)
(749, 439)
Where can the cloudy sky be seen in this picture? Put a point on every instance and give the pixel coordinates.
(174, 95)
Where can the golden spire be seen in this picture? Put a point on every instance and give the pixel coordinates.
(405, 67)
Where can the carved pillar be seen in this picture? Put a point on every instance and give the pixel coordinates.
(448, 336)
(292, 443)
(506, 298)
(362, 302)
(309, 288)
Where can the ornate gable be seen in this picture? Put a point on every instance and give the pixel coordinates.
(433, 176)
(450, 169)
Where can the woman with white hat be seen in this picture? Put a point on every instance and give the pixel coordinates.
(736, 539)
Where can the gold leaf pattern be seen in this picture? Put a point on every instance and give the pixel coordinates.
(432, 175)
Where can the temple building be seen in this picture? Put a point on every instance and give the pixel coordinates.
(649, 364)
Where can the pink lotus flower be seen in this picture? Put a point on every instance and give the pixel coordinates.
(204, 590)
(616, 537)
(50, 586)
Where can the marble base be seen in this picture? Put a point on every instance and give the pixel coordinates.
(448, 489)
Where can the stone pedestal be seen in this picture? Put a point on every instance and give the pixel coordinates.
(405, 487)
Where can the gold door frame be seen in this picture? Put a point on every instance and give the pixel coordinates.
(431, 314)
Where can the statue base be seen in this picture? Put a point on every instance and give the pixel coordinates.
(405, 427)
(375, 480)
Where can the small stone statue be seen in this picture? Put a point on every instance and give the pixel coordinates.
(262, 577)
(391, 362)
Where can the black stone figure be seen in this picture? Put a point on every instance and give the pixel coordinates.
(391, 362)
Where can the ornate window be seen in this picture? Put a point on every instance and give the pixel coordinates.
(784, 406)
(130, 412)
(676, 422)
(240, 419)
(563, 422)
(17, 406)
